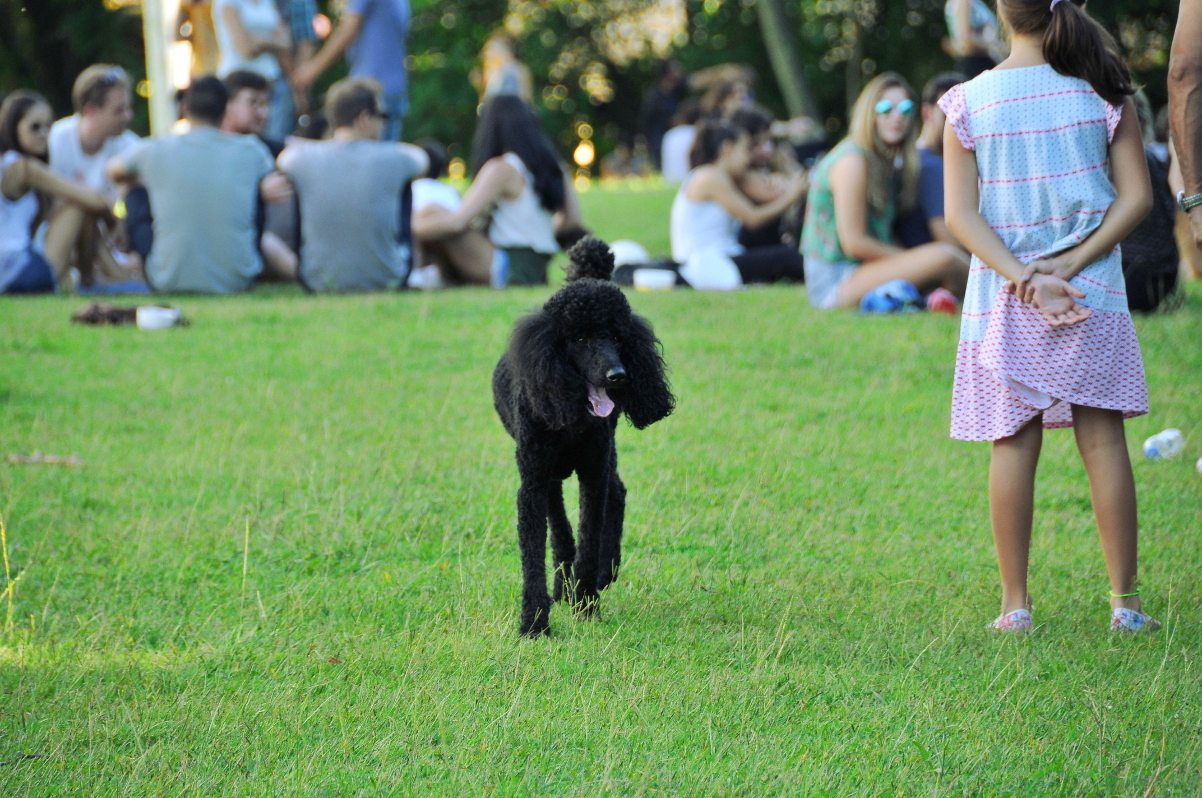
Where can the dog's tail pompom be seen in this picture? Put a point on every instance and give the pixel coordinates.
(590, 257)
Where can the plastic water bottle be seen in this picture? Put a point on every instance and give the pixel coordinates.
(1164, 445)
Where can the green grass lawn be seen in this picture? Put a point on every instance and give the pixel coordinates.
(289, 565)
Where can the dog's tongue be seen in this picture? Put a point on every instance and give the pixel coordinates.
(602, 404)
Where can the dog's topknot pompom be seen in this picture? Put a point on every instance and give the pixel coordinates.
(590, 257)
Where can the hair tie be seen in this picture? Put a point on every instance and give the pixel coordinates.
(1052, 7)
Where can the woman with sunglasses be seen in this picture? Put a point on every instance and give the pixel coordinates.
(26, 187)
(853, 199)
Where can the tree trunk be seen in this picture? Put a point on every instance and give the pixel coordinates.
(781, 44)
(853, 69)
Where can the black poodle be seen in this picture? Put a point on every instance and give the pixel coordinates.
(570, 371)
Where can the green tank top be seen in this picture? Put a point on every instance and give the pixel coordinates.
(819, 239)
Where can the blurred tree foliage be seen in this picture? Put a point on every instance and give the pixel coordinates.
(44, 44)
(591, 61)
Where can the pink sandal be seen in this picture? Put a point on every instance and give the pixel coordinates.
(1016, 621)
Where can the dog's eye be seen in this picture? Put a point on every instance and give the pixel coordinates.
(582, 340)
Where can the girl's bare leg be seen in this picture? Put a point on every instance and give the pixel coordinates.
(1012, 508)
(1103, 446)
(928, 267)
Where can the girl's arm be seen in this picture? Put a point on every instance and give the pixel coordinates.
(714, 185)
(496, 179)
(849, 190)
(1133, 200)
(28, 173)
(1053, 296)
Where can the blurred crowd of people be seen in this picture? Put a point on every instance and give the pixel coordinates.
(257, 183)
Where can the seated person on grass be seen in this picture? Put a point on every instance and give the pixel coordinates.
(710, 208)
(248, 107)
(847, 239)
(520, 187)
(26, 184)
(80, 145)
(204, 187)
(247, 113)
(350, 189)
(924, 223)
(761, 184)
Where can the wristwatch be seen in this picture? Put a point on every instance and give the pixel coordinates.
(1187, 203)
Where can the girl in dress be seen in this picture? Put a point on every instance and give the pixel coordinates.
(1046, 339)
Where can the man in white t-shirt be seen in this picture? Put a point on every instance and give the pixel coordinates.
(82, 144)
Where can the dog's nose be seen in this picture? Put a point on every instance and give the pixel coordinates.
(616, 376)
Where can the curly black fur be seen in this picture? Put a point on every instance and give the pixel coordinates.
(590, 257)
(586, 334)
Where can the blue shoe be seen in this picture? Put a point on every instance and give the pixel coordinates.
(895, 296)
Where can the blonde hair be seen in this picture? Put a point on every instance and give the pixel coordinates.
(881, 157)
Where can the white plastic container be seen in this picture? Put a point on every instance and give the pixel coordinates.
(1164, 445)
(151, 317)
(654, 279)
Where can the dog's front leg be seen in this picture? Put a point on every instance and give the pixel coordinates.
(532, 541)
(563, 545)
(594, 488)
(611, 540)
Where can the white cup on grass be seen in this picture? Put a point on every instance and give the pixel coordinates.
(654, 279)
(151, 317)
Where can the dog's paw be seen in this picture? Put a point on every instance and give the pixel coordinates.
(606, 578)
(536, 622)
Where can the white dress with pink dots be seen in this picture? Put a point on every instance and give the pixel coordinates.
(1041, 141)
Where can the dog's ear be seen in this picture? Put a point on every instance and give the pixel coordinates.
(539, 360)
(647, 397)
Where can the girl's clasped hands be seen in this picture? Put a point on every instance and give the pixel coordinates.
(1045, 286)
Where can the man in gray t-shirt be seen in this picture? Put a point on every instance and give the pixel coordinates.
(350, 195)
(204, 188)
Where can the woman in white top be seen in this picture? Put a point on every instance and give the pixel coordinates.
(252, 35)
(710, 208)
(520, 187)
(25, 119)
